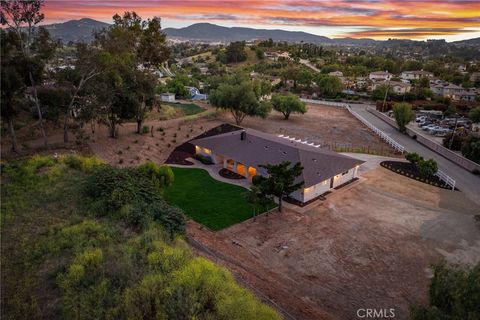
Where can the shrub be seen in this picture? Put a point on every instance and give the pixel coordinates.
(413, 158)
(85, 164)
(427, 168)
(161, 176)
(454, 294)
(145, 129)
(204, 159)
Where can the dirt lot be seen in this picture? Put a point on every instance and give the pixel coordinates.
(325, 125)
(370, 246)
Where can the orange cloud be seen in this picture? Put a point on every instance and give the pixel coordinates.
(429, 17)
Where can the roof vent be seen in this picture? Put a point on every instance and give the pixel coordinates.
(314, 160)
(243, 135)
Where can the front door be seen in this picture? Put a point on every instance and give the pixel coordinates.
(331, 183)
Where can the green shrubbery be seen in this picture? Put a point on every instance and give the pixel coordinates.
(134, 195)
(58, 261)
(454, 294)
(426, 168)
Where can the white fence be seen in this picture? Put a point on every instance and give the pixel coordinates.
(397, 146)
(442, 175)
(447, 179)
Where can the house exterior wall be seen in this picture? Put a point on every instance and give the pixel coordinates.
(340, 178)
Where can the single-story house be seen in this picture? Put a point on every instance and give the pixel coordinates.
(167, 97)
(416, 75)
(380, 75)
(243, 151)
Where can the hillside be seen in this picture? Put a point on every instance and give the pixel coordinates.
(75, 30)
(83, 240)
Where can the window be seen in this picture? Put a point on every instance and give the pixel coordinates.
(207, 151)
(344, 173)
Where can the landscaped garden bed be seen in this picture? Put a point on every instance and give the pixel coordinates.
(230, 174)
(212, 203)
(408, 169)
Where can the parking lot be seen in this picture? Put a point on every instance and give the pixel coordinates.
(434, 123)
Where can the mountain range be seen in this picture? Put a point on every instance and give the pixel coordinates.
(82, 31)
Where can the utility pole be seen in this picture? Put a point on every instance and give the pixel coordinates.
(386, 94)
(453, 133)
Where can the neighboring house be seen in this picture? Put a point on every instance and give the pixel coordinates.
(336, 73)
(398, 87)
(416, 75)
(167, 97)
(195, 94)
(380, 76)
(454, 92)
(243, 151)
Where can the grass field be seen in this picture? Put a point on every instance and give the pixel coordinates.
(186, 108)
(212, 203)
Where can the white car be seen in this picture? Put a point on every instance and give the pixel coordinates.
(428, 127)
(433, 129)
(421, 119)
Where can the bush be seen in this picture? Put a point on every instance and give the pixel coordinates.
(85, 164)
(413, 158)
(161, 176)
(145, 129)
(427, 168)
(204, 159)
(454, 294)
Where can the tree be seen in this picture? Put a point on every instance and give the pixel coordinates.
(305, 78)
(381, 91)
(86, 68)
(36, 46)
(236, 52)
(474, 114)
(329, 86)
(286, 104)
(241, 97)
(403, 115)
(132, 42)
(280, 180)
(12, 85)
(258, 199)
(471, 148)
(260, 53)
(454, 294)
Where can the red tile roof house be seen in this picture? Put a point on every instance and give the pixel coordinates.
(243, 151)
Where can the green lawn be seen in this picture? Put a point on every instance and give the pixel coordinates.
(212, 203)
(187, 108)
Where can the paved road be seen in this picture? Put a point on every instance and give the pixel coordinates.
(465, 181)
(308, 64)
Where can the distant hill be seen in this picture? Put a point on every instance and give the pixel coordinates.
(75, 30)
(213, 33)
(469, 42)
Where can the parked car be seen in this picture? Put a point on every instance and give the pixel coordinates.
(421, 119)
(428, 127)
(432, 129)
(424, 123)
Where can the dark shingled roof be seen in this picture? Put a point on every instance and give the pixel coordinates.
(263, 148)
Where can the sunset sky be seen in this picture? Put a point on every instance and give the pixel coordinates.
(379, 19)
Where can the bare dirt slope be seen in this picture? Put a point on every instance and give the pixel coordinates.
(370, 246)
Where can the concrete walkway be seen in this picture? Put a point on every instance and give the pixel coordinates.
(466, 181)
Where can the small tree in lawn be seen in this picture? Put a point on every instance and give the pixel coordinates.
(287, 104)
(281, 180)
(403, 115)
(413, 157)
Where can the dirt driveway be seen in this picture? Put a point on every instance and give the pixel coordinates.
(368, 247)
